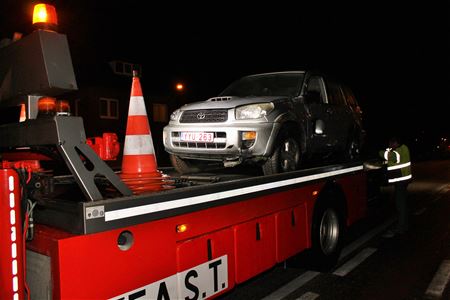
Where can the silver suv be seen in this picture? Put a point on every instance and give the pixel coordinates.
(275, 120)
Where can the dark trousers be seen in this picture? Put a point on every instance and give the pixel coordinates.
(401, 202)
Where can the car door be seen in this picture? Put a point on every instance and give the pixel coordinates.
(316, 105)
(340, 117)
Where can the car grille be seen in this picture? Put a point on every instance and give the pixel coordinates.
(219, 138)
(204, 116)
(217, 99)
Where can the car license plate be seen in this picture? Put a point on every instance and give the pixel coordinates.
(205, 137)
(200, 282)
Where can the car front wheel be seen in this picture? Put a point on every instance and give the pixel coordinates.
(285, 158)
(186, 166)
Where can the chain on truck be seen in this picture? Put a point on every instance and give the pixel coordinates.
(71, 227)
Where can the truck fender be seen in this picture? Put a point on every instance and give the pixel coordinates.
(332, 191)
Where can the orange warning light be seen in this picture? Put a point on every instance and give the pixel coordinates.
(45, 13)
(23, 113)
(47, 106)
(182, 228)
(63, 108)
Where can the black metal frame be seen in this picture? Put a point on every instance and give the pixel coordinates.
(68, 136)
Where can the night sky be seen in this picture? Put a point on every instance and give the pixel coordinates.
(395, 55)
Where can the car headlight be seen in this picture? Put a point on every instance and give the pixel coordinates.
(175, 115)
(253, 111)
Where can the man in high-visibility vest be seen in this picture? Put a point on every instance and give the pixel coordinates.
(399, 174)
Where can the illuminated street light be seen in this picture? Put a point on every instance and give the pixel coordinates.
(179, 87)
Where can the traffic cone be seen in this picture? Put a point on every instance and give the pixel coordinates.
(139, 167)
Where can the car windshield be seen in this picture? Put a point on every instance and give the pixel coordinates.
(276, 84)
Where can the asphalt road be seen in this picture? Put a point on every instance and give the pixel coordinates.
(412, 266)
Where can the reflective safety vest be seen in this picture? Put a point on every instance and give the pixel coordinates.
(398, 164)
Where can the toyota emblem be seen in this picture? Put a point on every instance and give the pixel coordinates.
(201, 116)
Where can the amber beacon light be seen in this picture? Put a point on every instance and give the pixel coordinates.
(46, 106)
(44, 16)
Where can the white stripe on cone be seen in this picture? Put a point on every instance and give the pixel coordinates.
(137, 106)
(138, 144)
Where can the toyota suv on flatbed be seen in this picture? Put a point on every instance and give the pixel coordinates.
(275, 120)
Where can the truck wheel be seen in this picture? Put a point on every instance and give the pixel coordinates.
(285, 158)
(326, 235)
(184, 166)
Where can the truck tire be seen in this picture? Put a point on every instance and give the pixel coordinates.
(286, 156)
(327, 234)
(184, 166)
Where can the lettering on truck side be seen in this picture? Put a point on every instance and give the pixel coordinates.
(199, 282)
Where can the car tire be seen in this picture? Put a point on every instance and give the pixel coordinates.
(286, 156)
(185, 166)
(327, 234)
(353, 149)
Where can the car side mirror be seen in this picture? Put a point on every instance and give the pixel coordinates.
(319, 127)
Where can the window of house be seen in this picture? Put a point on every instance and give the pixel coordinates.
(138, 68)
(109, 108)
(128, 69)
(125, 68)
(118, 67)
(160, 113)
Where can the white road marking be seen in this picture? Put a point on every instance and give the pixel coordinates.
(354, 262)
(298, 282)
(308, 296)
(292, 286)
(440, 280)
(438, 193)
(347, 251)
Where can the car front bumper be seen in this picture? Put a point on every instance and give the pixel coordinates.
(228, 144)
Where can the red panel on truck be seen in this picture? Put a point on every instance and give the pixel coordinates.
(254, 244)
(94, 267)
(355, 190)
(197, 251)
(291, 232)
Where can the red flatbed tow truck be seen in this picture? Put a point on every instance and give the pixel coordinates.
(90, 237)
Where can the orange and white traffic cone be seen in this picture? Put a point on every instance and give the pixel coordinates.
(139, 167)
